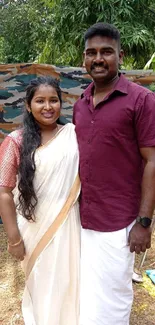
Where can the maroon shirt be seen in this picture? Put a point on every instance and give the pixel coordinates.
(111, 166)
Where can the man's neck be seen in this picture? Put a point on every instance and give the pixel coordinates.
(104, 87)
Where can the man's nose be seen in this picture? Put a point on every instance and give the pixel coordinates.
(99, 57)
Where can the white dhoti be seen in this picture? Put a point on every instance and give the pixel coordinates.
(106, 278)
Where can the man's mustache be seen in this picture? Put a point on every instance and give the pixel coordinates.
(101, 65)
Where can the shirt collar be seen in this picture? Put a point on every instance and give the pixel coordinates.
(121, 86)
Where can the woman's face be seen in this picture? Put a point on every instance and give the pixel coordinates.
(45, 105)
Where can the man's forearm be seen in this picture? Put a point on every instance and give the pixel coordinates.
(147, 203)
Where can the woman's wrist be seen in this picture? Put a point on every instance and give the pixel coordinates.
(16, 243)
(14, 237)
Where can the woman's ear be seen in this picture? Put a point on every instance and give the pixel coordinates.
(28, 108)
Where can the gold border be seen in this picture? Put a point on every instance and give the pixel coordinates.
(50, 233)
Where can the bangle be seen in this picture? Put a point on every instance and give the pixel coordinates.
(16, 244)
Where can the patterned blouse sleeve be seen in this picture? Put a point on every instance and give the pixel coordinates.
(9, 162)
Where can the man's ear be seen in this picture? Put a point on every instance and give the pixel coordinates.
(121, 55)
(83, 64)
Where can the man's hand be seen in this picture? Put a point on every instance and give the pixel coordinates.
(139, 238)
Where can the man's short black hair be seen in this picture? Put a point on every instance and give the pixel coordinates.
(102, 29)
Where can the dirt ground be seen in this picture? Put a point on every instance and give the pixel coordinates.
(12, 283)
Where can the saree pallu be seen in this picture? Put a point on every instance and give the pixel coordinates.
(51, 295)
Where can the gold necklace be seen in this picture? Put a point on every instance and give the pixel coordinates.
(57, 129)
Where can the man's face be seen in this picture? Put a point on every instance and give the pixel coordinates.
(102, 58)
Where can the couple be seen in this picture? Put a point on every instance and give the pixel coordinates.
(114, 135)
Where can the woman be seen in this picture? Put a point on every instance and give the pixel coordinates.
(40, 209)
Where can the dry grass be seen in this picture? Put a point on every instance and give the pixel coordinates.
(11, 286)
(12, 283)
(143, 311)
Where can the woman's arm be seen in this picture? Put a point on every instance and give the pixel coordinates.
(8, 214)
(9, 159)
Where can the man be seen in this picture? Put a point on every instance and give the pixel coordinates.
(115, 126)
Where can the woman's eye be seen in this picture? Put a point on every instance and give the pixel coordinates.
(54, 101)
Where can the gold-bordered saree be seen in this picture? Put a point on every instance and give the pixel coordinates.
(51, 265)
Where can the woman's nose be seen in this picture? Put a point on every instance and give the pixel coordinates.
(48, 105)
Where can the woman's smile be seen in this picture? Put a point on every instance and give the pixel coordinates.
(47, 114)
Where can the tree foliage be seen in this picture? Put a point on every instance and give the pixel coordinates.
(134, 18)
(23, 29)
(150, 63)
(51, 31)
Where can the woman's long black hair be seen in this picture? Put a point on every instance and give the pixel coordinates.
(31, 140)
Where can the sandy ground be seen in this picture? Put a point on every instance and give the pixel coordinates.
(12, 283)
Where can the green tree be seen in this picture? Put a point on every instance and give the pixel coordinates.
(134, 18)
(51, 31)
(23, 28)
(150, 63)
(1, 50)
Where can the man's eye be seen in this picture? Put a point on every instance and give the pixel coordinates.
(107, 52)
(90, 53)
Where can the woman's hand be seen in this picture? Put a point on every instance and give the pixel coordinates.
(17, 251)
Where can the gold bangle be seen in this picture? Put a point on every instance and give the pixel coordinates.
(16, 244)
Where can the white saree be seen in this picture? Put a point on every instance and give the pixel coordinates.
(51, 295)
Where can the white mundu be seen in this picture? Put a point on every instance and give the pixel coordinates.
(106, 278)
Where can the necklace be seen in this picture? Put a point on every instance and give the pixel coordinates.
(56, 131)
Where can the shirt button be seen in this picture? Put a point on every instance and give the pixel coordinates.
(89, 141)
(92, 121)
